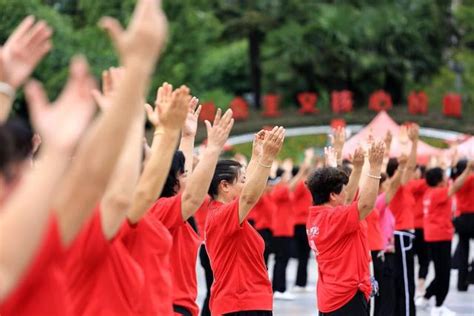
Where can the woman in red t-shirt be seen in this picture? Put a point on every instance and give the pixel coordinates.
(439, 230)
(241, 285)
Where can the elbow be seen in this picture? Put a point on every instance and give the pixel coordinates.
(120, 203)
(365, 208)
(145, 198)
(190, 204)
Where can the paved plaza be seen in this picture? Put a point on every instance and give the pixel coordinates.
(305, 304)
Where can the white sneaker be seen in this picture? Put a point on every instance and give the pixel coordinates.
(442, 311)
(285, 296)
(421, 302)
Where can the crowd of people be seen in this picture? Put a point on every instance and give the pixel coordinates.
(94, 221)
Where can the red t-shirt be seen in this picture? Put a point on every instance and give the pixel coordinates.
(374, 232)
(101, 276)
(283, 217)
(438, 215)
(41, 290)
(402, 205)
(201, 215)
(418, 188)
(149, 243)
(236, 253)
(183, 256)
(339, 240)
(264, 210)
(302, 201)
(465, 196)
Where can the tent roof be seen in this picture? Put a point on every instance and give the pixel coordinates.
(378, 127)
(466, 148)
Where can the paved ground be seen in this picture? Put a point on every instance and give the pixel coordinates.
(305, 304)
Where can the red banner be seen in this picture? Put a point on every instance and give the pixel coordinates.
(452, 105)
(341, 101)
(240, 109)
(270, 105)
(307, 101)
(380, 101)
(417, 102)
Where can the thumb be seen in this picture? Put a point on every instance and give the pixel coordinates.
(149, 111)
(113, 29)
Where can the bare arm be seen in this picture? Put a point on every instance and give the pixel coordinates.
(188, 134)
(459, 182)
(96, 158)
(353, 184)
(395, 181)
(411, 164)
(24, 216)
(255, 183)
(173, 106)
(368, 193)
(198, 183)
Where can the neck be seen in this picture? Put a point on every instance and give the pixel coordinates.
(223, 199)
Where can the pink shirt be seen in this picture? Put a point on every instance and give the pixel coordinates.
(387, 222)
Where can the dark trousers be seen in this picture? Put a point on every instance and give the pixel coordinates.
(378, 262)
(282, 255)
(358, 306)
(206, 264)
(405, 274)
(422, 252)
(385, 300)
(441, 255)
(180, 310)
(250, 313)
(302, 248)
(465, 229)
(267, 236)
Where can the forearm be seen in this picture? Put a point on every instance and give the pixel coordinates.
(411, 164)
(459, 182)
(6, 103)
(119, 193)
(98, 154)
(24, 217)
(186, 145)
(368, 193)
(198, 184)
(253, 189)
(353, 184)
(154, 175)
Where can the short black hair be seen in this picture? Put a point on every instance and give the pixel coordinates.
(21, 136)
(324, 181)
(422, 169)
(177, 167)
(6, 151)
(226, 170)
(434, 176)
(461, 165)
(392, 166)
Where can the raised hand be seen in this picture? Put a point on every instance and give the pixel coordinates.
(173, 110)
(163, 96)
(358, 157)
(272, 144)
(287, 165)
(145, 36)
(62, 123)
(338, 138)
(402, 161)
(413, 132)
(330, 157)
(403, 136)
(257, 145)
(110, 80)
(376, 154)
(191, 123)
(23, 50)
(218, 132)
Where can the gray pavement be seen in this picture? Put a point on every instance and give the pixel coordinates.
(305, 304)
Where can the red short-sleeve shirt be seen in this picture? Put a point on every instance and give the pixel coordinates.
(418, 188)
(201, 216)
(42, 290)
(101, 276)
(374, 232)
(339, 240)
(283, 217)
(438, 215)
(183, 255)
(302, 202)
(264, 210)
(465, 196)
(402, 205)
(236, 253)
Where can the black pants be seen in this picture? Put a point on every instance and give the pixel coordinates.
(282, 255)
(465, 229)
(385, 301)
(441, 255)
(181, 310)
(267, 236)
(206, 264)
(378, 262)
(422, 252)
(302, 248)
(405, 274)
(358, 306)
(250, 313)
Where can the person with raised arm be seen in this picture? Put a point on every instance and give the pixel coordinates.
(337, 233)
(30, 243)
(19, 56)
(241, 285)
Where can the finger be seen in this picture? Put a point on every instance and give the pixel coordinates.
(198, 111)
(159, 94)
(38, 34)
(226, 118)
(149, 111)
(113, 28)
(217, 118)
(193, 104)
(106, 82)
(21, 30)
(38, 53)
(229, 126)
(208, 127)
(98, 97)
(36, 98)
